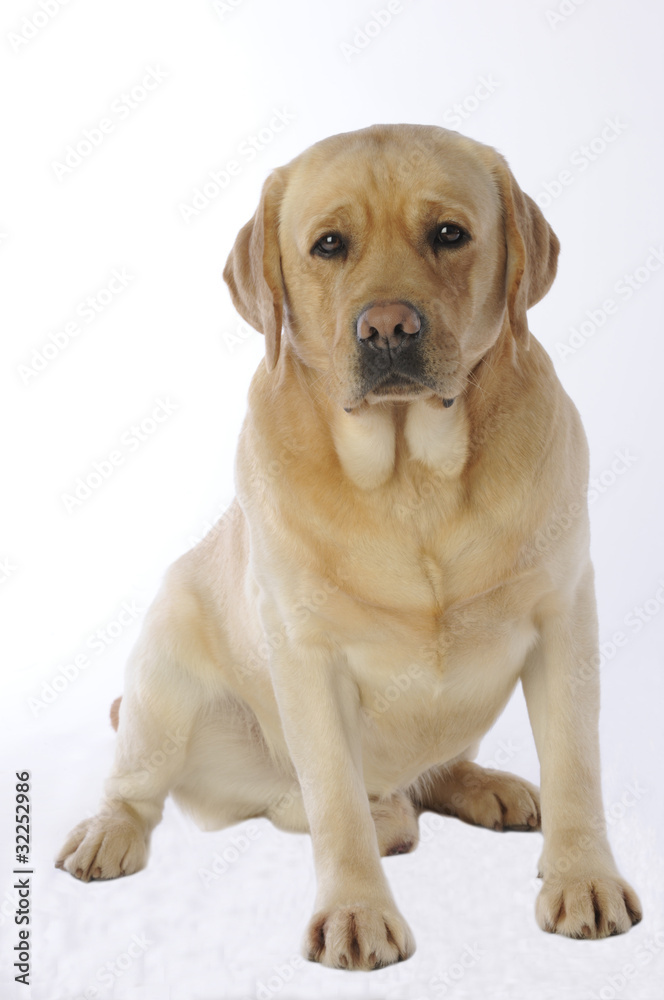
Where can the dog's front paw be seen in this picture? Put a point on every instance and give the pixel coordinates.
(586, 907)
(358, 937)
(106, 846)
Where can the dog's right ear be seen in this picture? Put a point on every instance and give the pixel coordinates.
(253, 269)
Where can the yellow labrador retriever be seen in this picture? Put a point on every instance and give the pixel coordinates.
(409, 540)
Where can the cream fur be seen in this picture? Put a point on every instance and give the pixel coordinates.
(437, 436)
(365, 442)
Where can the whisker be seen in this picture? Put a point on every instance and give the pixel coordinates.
(469, 380)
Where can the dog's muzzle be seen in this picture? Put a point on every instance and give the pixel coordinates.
(391, 359)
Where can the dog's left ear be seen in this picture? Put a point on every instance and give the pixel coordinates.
(253, 269)
(532, 252)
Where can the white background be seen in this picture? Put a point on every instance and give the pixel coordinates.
(550, 86)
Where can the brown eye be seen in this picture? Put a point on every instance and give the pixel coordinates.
(328, 245)
(449, 234)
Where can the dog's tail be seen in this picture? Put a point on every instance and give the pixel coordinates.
(115, 713)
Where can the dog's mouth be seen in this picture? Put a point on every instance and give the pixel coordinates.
(397, 384)
(408, 371)
(397, 387)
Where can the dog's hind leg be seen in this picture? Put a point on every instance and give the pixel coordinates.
(396, 824)
(230, 776)
(163, 700)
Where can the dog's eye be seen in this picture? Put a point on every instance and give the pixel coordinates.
(328, 245)
(449, 234)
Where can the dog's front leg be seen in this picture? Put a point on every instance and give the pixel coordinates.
(356, 924)
(582, 894)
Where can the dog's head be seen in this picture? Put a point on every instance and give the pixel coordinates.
(393, 257)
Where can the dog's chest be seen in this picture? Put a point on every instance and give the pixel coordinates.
(428, 693)
(429, 551)
(437, 642)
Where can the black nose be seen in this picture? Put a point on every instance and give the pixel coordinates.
(388, 325)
